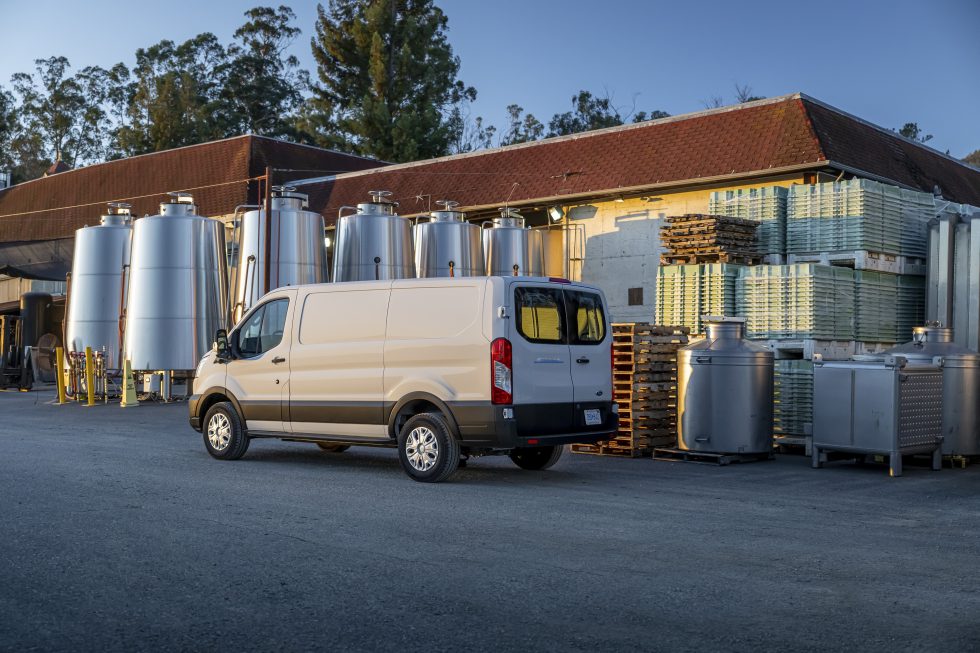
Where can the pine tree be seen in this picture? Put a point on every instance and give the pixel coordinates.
(388, 79)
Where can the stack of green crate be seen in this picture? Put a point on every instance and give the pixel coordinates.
(803, 301)
(767, 206)
(875, 300)
(685, 293)
(910, 306)
(793, 397)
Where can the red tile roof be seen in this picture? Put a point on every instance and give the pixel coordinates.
(788, 133)
(217, 174)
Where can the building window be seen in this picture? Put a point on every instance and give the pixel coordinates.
(635, 296)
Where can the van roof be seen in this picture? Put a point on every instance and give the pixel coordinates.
(367, 285)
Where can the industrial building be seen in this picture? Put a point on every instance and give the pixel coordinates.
(601, 197)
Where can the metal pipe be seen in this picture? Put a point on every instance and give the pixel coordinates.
(267, 286)
(122, 311)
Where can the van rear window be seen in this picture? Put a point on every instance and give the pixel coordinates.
(587, 317)
(540, 314)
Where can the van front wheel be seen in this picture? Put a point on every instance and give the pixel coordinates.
(428, 451)
(224, 436)
(536, 458)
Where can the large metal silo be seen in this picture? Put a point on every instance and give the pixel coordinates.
(447, 245)
(178, 288)
(373, 243)
(97, 292)
(296, 252)
(511, 249)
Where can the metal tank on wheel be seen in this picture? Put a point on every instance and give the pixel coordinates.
(511, 248)
(178, 289)
(961, 385)
(725, 392)
(296, 253)
(97, 293)
(447, 245)
(374, 242)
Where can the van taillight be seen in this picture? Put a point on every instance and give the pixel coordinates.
(501, 376)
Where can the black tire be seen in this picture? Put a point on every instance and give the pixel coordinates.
(333, 448)
(536, 458)
(237, 439)
(444, 459)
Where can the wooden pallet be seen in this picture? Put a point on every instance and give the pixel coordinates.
(698, 238)
(679, 455)
(644, 388)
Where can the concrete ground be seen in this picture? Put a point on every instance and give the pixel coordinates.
(119, 533)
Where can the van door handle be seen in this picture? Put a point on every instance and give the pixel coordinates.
(582, 360)
(278, 359)
(549, 360)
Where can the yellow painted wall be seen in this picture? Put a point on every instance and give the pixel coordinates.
(622, 241)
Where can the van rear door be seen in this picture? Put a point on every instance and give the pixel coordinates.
(541, 360)
(589, 346)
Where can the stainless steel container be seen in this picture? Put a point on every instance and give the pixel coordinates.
(97, 295)
(178, 288)
(953, 273)
(724, 392)
(512, 249)
(890, 407)
(373, 243)
(297, 254)
(961, 385)
(448, 246)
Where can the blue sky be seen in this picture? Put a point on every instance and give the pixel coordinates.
(888, 62)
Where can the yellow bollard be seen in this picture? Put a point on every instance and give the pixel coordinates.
(59, 356)
(89, 377)
(129, 387)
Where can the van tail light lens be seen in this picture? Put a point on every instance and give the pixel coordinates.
(501, 381)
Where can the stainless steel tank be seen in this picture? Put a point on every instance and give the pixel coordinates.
(724, 392)
(448, 246)
(961, 385)
(97, 295)
(373, 243)
(297, 254)
(511, 249)
(178, 288)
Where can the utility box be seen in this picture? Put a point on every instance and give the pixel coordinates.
(887, 407)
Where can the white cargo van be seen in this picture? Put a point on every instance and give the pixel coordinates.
(443, 369)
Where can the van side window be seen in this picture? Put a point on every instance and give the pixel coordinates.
(264, 328)
(540, 314)
(587, 317)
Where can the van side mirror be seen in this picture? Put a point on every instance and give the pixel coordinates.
(221, 347)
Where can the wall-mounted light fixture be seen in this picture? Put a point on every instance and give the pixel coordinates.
(619, 198)
(556, 213)
(327, 241)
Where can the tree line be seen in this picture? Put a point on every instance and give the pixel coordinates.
(386, 85)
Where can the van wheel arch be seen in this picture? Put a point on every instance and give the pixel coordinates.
(416, 403)
(216, 396)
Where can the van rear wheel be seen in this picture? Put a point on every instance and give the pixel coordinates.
(535, 458)
(427, 448)
(224, 436)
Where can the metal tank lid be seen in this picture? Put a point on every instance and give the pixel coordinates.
(933, 340)
(448, 213)
(118, 214)
(508, 218)
(725, 344)
(379, 205)
(286, 197)
(181, 204)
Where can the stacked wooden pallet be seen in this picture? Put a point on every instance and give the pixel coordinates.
(644, 388)
(698, 238)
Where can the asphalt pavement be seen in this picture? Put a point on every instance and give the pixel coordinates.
(119, 533)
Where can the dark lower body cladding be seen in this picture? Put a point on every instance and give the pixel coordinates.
(481, 424)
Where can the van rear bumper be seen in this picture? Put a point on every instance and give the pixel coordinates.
(486, 426)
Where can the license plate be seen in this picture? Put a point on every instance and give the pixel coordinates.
(593, 417)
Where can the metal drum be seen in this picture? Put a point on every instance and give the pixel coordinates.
(724, 392)
(511, 249)
(961, 385)
(178, 288)
(97, 295)
(447, 245)
(297, 252)
(373, 243)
